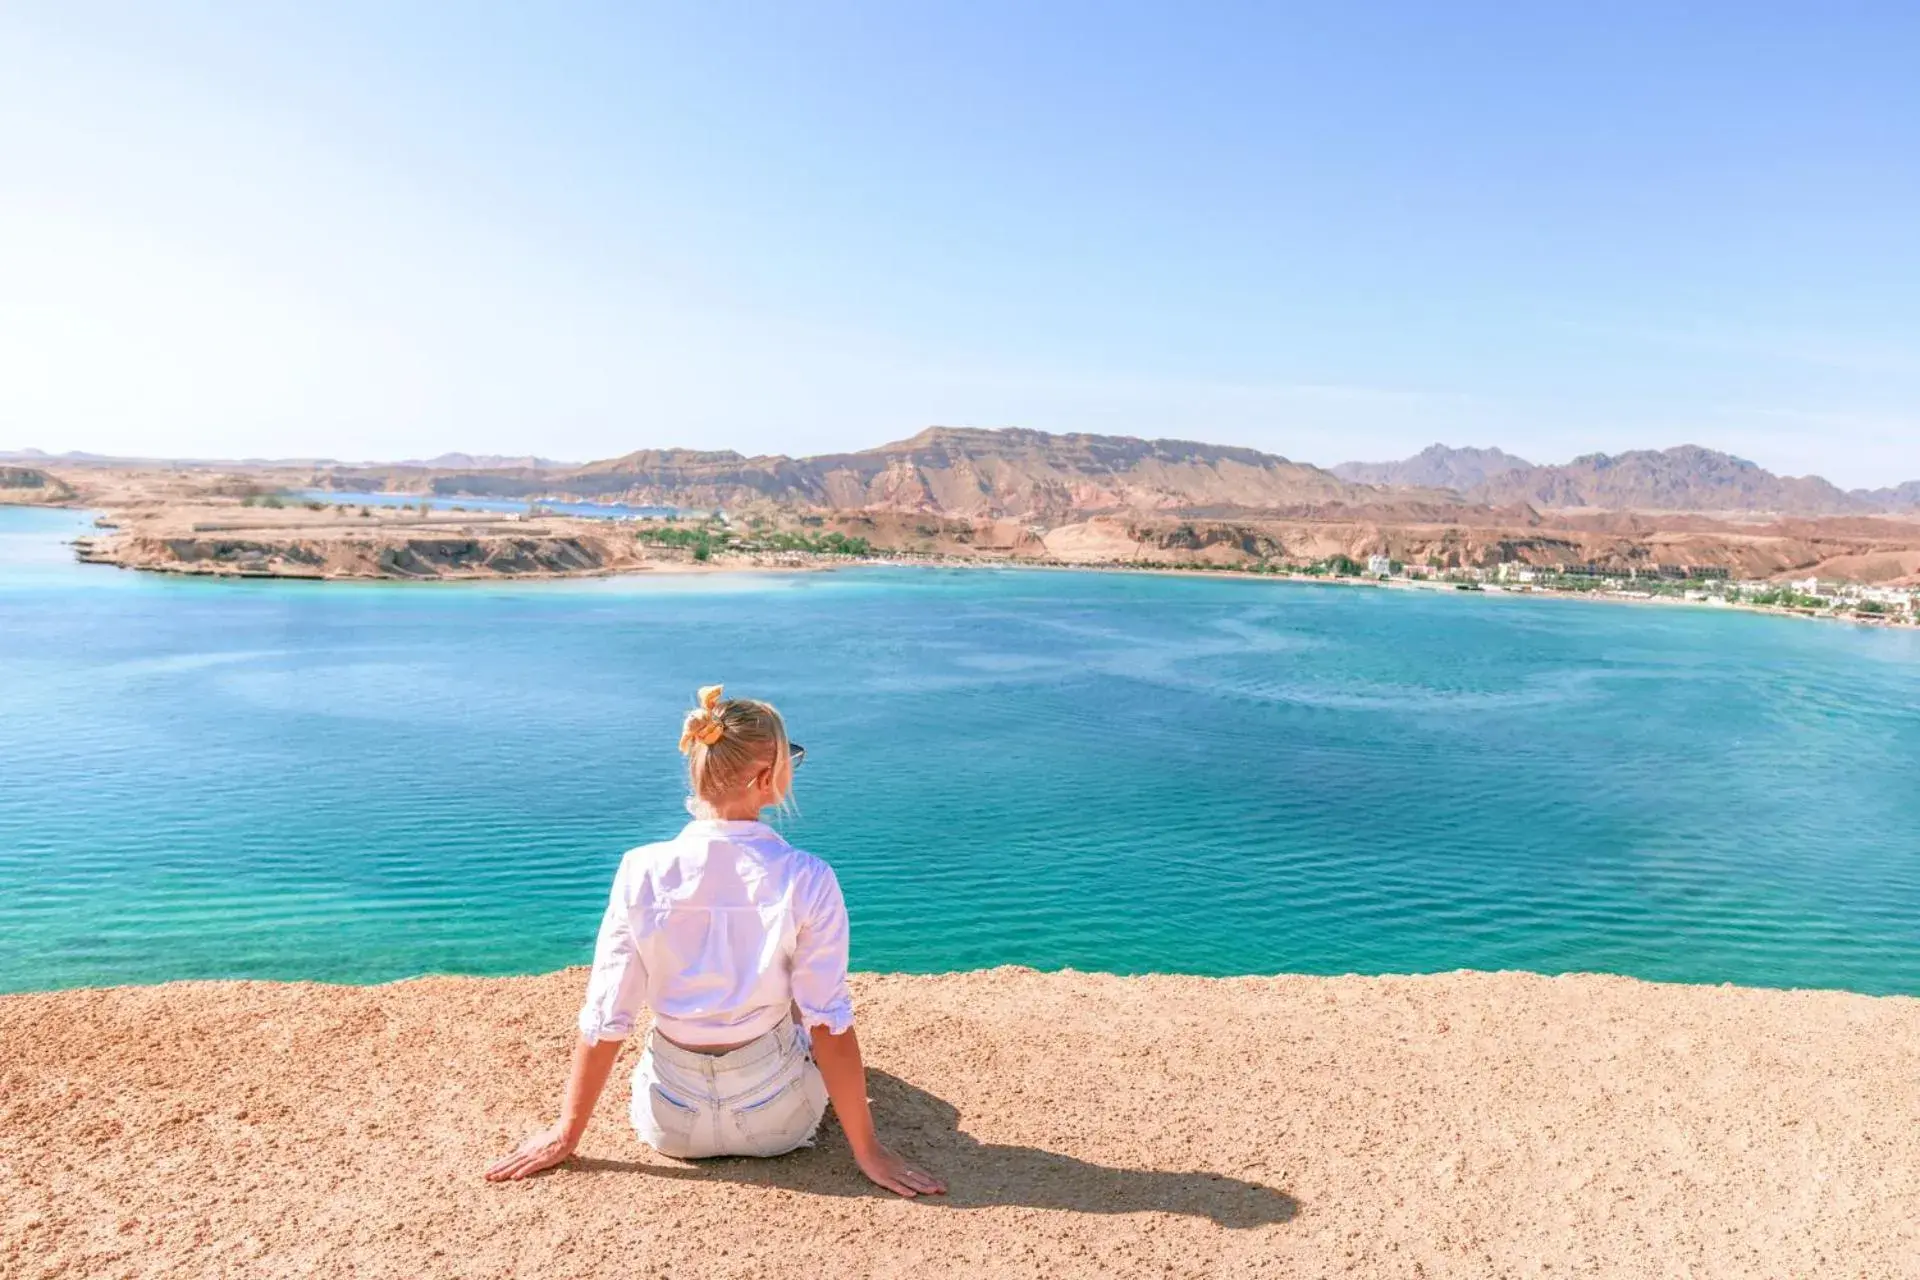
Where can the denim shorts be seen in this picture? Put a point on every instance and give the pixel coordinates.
(763, 1099)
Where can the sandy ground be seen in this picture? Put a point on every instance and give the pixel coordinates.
(1458, 1125)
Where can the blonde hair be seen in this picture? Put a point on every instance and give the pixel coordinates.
(727, 742)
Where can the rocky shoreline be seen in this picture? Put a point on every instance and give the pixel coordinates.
(404, 551)
(532, 552)
(389, 554)
(30, 486)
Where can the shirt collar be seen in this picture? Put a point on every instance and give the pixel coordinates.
(735, 830)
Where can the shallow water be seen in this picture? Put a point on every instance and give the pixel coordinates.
(1104, 771)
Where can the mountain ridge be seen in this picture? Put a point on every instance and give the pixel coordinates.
(946, 470)
(1683, 478)
(1024, 473)
(1900, 497)
(487, 462)
(1017, 471)
(1438, 466)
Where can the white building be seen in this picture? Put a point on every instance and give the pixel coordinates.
(1380, 566)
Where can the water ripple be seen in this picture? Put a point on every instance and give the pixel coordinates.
(1104, 771)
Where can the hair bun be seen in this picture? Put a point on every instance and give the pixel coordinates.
(703, 724)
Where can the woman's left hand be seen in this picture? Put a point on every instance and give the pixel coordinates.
(543, 1150)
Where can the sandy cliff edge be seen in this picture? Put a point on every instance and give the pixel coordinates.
(1462, 1124)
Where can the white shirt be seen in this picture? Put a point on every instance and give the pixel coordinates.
(720, 931)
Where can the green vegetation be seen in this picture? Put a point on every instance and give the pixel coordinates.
(1335, 567)
(700, 541)
(831, 544)
(705, 539)
(1785, 598)
(1587, 583)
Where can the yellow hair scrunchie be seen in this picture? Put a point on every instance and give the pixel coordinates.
(703, 723)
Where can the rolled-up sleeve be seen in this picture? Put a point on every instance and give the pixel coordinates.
(617, 988)
(820, 957)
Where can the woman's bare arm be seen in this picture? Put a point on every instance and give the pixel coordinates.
(845, 1074)
(592, 1064)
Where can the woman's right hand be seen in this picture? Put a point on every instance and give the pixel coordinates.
(543, 1150)
(886, 1168)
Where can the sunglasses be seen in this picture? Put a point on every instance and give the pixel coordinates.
(795, 754)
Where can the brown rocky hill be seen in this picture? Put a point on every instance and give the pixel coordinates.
(1437, 466)
(1901, 498)
(1688, 478)
(487, 462)
(30, 484)
(943, 470)
(1047, 478)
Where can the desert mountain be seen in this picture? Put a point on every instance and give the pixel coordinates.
(1436, 467)
(946, 470)
(488, 462)
(1900, 498)
(41, 455)
(1688, 478)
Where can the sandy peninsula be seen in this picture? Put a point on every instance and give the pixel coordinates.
(1455, 1125)
(327, 542)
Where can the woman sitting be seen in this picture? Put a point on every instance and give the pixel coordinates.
(737, 943)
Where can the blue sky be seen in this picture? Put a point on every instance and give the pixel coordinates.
(1331, 231)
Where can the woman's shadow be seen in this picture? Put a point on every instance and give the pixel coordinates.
(980, 1174)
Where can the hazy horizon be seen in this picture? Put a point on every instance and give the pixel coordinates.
(33, 452)
(1342, 235)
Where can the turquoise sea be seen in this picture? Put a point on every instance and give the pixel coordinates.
(1106, 771)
